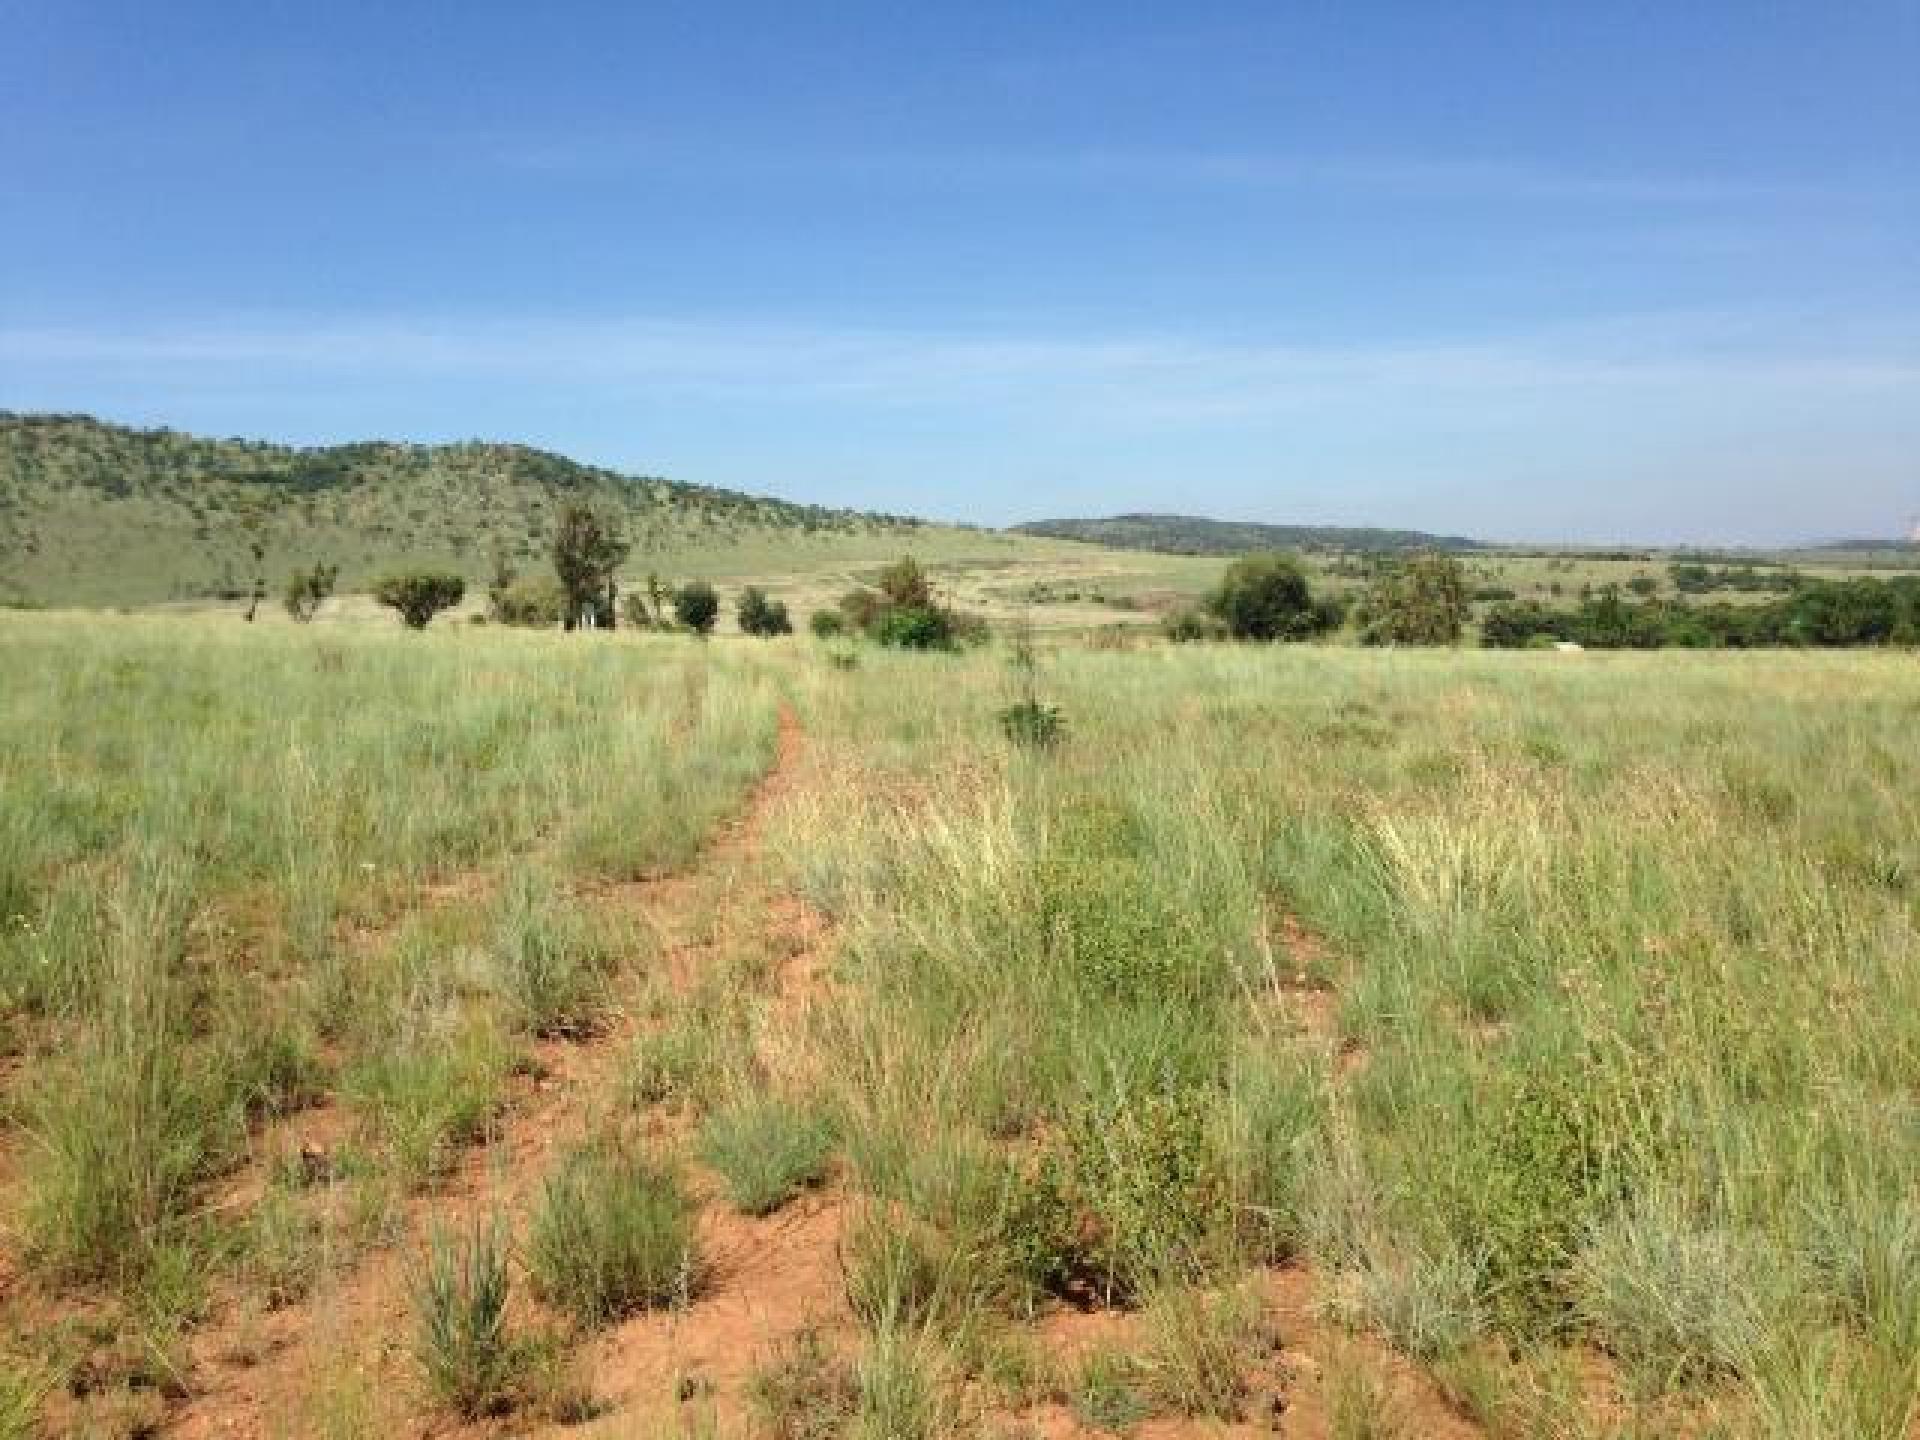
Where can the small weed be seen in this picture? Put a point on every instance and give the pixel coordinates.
(1107, 1392)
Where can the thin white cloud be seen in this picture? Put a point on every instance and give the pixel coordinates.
(1163, 376)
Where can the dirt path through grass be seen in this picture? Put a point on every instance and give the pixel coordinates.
(343, 1356)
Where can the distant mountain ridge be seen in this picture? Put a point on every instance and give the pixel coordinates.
(1197, 535)
(96, 513)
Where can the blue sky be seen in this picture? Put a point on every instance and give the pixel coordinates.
(1613, 271)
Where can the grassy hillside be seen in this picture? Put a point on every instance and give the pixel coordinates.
(93, 513)
(1195, 535)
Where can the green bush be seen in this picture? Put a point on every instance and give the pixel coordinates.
(537, 602)
(614, 1233)
(696, 606)
(421, 595)
(759, 615)
(1267, 597)
(307, 590)
(826, 624)
(767, 1151)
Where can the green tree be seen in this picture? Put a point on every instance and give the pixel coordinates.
(1421, 601)
(696, 605)
(307, 590)
(588, 549)
(760, 615)
(1267, 597)
(420, 595)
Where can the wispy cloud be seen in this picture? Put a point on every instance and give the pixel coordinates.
(1121, 375)
(1402, 176)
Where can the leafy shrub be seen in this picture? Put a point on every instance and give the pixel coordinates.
(307, 590)
(696, 606)
(460, 1300)
(767, 1150)
(761, 616)
(420, 595)
(826, 624)
(536, 601)
(1266, 597)
(902, 612)
(1422, 600)
(614, 1233)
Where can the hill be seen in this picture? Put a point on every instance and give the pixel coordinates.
(1196, 535)
(98, 514)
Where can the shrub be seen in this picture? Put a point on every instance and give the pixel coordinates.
(826, 624)
(1266, 597)
(1420, 601)
(759, 615)
(614, 1234)
(420, 595)
(536, 601)
(307, 590)
(767, 1151)
(901, 611)
(460, 1299)
(696, 606)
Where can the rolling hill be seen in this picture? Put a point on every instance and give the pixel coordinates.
(1195, 535)
(93, 513)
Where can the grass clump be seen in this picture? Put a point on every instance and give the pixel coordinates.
(767, 1151)
(472, 1364)
(1108, 1393)
(550, 969)
(1199, 1349)
(804, 1391)
(614, 1234)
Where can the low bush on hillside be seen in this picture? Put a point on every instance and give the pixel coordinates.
(759, 615)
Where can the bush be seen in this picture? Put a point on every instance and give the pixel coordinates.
(460, 1299)
(421, 595)
(901, 611)
(307, 590)
(1266, 597)
(826, 624)
(696, 606)
(614, 1234)
(1420, 601)
(759, 615)
(767, 1151)
(536, 601)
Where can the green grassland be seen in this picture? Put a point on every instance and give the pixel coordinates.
(1551, 1018)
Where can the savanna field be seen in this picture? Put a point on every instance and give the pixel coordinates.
(480, 1032)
